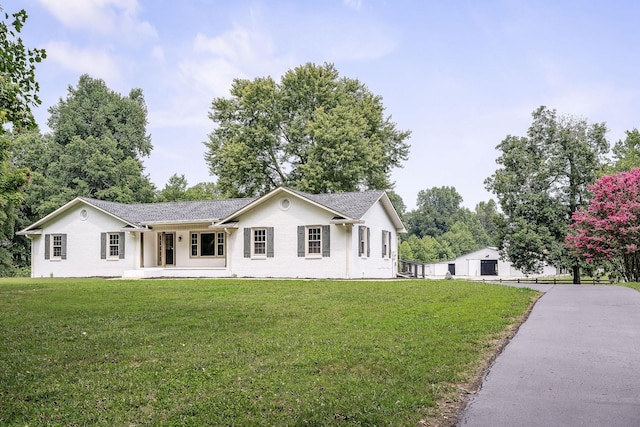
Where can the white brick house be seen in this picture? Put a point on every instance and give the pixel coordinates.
(285, 233)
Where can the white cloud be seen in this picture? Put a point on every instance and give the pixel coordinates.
(157, 53)
(109, 17)
(210, 68)
(97, 63)
(354, 4)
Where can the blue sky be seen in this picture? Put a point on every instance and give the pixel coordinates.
(461, 75)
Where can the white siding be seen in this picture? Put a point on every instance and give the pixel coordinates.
(141, 260)
(469, 266)
(83, 246)
(285, 262)
(375, 266)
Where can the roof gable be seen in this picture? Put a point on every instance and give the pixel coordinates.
(351, 206)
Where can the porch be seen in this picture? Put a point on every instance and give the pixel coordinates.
(177, 272)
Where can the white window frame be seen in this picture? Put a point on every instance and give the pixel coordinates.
(56, 243)
(308, 241)
(113, 249)
(261, 242)
(220, 240)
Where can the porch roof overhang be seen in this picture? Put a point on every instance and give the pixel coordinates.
(345, 221)
(179, 222)
(32, 232)
(229, 225)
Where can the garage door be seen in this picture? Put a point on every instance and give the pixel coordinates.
(489, 267)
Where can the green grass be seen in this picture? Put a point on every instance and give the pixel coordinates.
(633, 285)
(242, 352)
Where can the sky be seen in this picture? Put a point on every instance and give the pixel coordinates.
(460, 75)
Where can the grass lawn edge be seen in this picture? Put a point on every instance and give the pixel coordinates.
(452, 405)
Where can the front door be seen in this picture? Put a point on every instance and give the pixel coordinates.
(166, 249)
(169, 248)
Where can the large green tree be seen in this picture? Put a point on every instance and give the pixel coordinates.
(626, 153)
(541, 180)
(487, 214)
(176, 190)
(18, 94)
(437, 209)
(95, 149)
(314, 131)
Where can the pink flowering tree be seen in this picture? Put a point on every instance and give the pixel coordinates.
(609, 230)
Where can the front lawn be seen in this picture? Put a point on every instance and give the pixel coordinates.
(242, 352)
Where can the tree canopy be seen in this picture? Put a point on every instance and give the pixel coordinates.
(542, 179)
(94, 150)
(436, 211)
(177, 190)
(609, 229)
(18, 94)
(626, 152)
(314, 131)
(18, 86)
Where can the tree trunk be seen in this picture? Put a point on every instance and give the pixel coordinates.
(576, 274)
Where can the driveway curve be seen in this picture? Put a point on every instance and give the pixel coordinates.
(574, 362)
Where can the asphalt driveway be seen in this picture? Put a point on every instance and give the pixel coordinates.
(574, 362)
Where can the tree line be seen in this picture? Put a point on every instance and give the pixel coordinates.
(316, 131)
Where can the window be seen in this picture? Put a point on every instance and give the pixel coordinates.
(386, 244)
(314, 241)
(55, 246)
(364, 233)
(114, 245)
(259, 242)
(207, 244)
(194, 244)
(220, 244)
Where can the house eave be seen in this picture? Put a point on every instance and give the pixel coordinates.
(179, 222)
(34, 232)
(344, 221)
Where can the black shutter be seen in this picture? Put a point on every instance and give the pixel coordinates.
(121, 245)
(368, 242)
(63, 251)
(326, 241)
(360, 234)
(384, 241)
(103, 245)
(301, 240)
(247, 243)
(47, 246)
(269, 242)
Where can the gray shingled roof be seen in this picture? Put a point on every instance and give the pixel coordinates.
(351, 205)
(197, 211)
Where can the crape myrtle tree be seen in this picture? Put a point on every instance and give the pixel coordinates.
(542, 180)
(313, 131)
(609, 229)
(18, 95)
